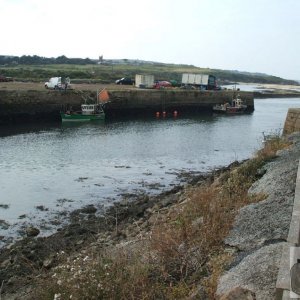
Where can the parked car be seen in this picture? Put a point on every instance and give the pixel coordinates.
(162, 84)
(5, 78)
(125, 80)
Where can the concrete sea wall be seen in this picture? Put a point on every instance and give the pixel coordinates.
(292, 121)
(32, 105)
(151, 101)
(28, 105)
(287, 280)
(266, 234)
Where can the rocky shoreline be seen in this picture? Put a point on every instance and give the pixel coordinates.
(33, 256)
(255, 241)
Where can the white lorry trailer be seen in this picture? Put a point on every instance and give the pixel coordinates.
(203, 81)
(144, 81)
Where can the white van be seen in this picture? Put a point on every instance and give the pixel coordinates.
(53, 83)
(56, 84)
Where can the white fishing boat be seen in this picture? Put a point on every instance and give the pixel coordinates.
(236, 106)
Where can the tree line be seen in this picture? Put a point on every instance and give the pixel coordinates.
(40, 60)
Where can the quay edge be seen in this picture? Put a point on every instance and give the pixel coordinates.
(187, 101)
(33, 105)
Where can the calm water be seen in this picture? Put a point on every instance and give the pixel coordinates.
(61, 167)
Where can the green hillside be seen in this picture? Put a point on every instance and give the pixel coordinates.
(85, 70)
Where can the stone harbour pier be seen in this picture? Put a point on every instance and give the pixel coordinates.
(45, 105)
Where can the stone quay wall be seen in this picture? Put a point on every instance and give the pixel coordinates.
(168, 100)
(27, 105)
(292, 121)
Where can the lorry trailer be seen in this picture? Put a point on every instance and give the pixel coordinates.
(202, 81)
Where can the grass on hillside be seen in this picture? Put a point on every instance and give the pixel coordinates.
(97, 72)
(110, 72)
(183, 254)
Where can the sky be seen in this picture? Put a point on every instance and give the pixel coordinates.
(245, 35)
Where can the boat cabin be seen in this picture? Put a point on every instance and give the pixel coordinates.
(89, 109)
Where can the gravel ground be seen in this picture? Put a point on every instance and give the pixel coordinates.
(39, 86)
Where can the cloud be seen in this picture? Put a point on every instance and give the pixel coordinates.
(251, 35)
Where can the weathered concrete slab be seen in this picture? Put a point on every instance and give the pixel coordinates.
(257, 272)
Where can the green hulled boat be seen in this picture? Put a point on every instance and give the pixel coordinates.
(88, 112)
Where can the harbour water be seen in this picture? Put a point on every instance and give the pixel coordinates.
(48, 170)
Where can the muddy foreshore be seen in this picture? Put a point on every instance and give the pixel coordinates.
(33, 256)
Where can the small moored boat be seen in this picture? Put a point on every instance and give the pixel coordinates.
(237, 106)
(88, 112)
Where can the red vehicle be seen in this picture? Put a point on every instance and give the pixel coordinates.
(162, 84)
(5, 79)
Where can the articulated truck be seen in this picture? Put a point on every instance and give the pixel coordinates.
(202, 81)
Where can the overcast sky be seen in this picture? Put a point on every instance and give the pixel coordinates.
(245, 35)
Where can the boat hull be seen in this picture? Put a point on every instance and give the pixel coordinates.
(235, 110)
(230, 111)
(81, 118)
